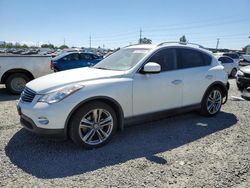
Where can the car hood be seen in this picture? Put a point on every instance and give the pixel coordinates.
(54, 81)
(245, 69)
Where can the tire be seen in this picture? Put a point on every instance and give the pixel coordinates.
(86, 125)
(233, 73)
(212, 101)
(16, 82)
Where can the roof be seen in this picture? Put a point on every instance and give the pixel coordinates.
(172, 44)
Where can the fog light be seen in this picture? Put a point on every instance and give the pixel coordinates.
(43, 120)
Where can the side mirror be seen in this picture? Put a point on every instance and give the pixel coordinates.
(151, 68)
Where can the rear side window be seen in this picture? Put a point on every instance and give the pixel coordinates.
(166, 58)
(224, 60)
(188, 58)
(86, 57)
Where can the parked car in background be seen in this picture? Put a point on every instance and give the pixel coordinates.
(72, 60)
(230, 66)
(17, 70)
(233, 55)
(243, 78)
(245, 60)
(90, 104)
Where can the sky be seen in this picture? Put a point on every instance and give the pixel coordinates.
(117, 23)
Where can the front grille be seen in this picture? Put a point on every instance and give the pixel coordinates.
(247, 75)
(27, 95)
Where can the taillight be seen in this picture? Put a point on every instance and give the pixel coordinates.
(51, 65)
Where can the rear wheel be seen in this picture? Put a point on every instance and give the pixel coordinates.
(93, 125)
(212, 102)
(233, 72)
(16, 82)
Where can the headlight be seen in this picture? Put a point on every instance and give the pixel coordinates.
(59, 95)
(240, 73)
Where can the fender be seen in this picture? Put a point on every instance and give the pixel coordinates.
(113, 103)
(222, 86)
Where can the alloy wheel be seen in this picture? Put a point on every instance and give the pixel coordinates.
(96, 126)
(214, 101)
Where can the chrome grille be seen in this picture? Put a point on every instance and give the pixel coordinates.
(27, 95)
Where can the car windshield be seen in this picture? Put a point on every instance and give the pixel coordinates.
(123, 59)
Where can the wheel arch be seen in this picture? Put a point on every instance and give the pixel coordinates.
(111, 102)
(224, 88)
(13, 71)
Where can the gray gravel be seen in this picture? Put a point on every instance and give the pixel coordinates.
(182, 151)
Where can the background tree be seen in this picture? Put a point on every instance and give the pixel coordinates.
(183, 39)
(63, 47)
(51, 46)
(145, 41)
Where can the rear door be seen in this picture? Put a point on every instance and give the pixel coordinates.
(197, 74)
(86, 60)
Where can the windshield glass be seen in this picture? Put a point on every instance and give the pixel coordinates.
(123, 59)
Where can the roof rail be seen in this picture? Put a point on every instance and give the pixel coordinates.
(183, 43)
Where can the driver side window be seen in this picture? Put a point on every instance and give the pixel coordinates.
(166, 58)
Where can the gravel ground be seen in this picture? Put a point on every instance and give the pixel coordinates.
(182, 151)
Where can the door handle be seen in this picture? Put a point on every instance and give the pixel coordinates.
(177, 82)
(209, 77)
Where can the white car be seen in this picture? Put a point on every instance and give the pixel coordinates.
(90, 104)
(230, 66)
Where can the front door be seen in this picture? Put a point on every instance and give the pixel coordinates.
(161, 91)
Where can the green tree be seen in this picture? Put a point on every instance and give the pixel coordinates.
(63, 46)
(51, 46)
(145, 41)
(183, 39)
(24, 46)
(9, 45)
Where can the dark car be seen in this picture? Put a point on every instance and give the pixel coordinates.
(72, 60)
(243, 78)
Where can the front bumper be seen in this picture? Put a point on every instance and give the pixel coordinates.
(29, 124)
(32, 113)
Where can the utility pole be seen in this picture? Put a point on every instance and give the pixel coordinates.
(140, 40)
(64, 41)
(217, 45)
(90, 41)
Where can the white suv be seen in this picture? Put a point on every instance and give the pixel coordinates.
(90, 104)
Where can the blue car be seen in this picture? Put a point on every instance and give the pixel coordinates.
(72, 60)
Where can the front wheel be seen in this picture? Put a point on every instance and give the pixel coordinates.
(93, 125)
(212, 102)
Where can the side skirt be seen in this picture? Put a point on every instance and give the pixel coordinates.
(160, 115)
